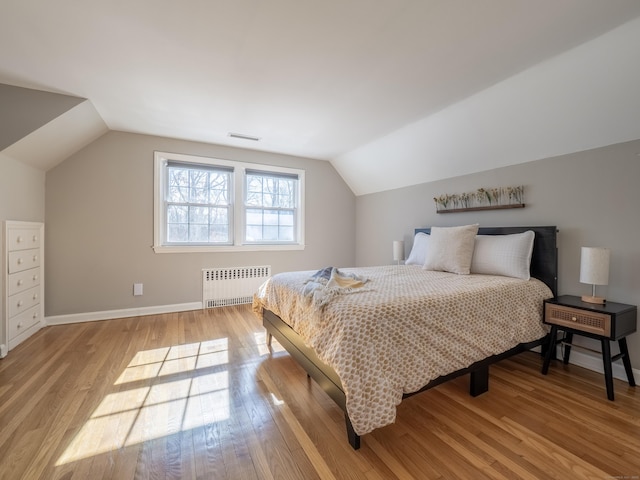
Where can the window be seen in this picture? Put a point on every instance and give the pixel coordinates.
(206, 204)
(270, 207)
(198, 204)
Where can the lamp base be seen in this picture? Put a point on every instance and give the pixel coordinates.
(593, 299)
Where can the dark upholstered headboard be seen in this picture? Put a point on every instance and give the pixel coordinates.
(544, 261)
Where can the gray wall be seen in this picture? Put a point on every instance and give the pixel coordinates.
(21, 191)
(592, 197)
(99, 227)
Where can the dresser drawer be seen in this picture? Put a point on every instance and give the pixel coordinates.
(22, 322)
(23, 238)
(578, 319)
(22, 301)
(21, 281)
(24, 260)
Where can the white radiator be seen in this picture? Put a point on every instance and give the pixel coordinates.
(232, 285)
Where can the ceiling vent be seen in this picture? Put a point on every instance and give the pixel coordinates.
(242, 136)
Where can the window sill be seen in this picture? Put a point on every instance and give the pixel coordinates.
(223, 249)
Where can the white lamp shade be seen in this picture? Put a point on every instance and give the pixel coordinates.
(398, 250)
(594, 265)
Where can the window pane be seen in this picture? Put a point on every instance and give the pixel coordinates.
(199, 215)
(270, 233)
(219, 216)
(285, 234)
(199, 195)
(254, 199)
(177, 232)
(198, 233)
(178, 194)
(270, 217)
(176, 214)
(254, 216)
(178, 177)
(199, 179)
(254, 183)
(286, 218)
(219, 233)
(254, 233)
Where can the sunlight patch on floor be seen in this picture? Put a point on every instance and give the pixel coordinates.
(159, 393)
(261, 342)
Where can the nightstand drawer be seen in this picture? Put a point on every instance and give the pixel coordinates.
(578, 319)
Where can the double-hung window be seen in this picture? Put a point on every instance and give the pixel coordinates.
(198, 204)
(207, 204)
(271, 207)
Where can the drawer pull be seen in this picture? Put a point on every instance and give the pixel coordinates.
(574, 319)
(19, 239)
(19, 325)
(35, 296)
(20, 261)
(35, 238)
(19, 303)
(35, 258)
(20, 282)
(35, 315)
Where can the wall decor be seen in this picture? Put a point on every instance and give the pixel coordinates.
(481, 199)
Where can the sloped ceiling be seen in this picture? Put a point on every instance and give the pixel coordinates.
(585, 98)
(25, 110)
(386, 90)
(42, 129)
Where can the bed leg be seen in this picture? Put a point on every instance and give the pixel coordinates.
(269, 338)
(354, 438)
(479, 382)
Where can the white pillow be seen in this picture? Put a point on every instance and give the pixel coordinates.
(418, 250)
(451, 249)
(507, 255)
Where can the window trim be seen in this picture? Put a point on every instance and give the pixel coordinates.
(238, 205)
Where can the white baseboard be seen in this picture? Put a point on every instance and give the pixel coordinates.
(594, 362)
(124, 313)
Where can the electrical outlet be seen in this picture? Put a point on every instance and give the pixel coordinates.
(137, 289)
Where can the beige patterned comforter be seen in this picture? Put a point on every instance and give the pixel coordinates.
(405, 327)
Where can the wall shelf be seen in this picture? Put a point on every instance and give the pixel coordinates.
(475, 209)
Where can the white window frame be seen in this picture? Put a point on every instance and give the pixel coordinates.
(237, 205)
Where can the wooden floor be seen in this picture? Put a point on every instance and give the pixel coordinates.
(199, 395)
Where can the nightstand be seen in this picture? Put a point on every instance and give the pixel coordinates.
(610, 321)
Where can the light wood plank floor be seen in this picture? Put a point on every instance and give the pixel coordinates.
(198, 395)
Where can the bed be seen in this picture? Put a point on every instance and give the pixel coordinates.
(368, 399)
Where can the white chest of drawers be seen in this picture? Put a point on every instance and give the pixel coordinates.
(23, 282)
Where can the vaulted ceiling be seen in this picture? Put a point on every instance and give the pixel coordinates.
(392, 92)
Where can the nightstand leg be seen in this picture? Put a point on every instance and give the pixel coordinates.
(568, 339)
(550, 349)
(626, 361)
(608, 373)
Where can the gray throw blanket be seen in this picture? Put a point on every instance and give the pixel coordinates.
(327, 282)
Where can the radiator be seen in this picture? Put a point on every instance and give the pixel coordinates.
(232, 285)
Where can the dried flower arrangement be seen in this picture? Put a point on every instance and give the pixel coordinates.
(481, 199)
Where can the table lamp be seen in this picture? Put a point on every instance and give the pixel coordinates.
(594, 269)
(398, 251)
